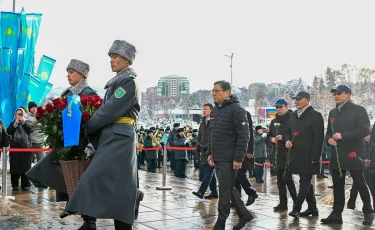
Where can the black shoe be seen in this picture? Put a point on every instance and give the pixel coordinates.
(65, 213)
(25, 189)
(332, 219)
(198, 194)
(351, 205)
(280, 208)
(140, 196)
(242, 222)
(310, 213)
(295, 214)
(251, 199)
(369, 218)
(211, 196)
(88, 226)
(15, 189)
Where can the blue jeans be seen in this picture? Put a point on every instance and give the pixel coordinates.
(209, 179)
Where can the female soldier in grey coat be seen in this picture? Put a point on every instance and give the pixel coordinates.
(108, 187)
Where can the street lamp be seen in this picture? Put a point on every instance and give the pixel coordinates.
(231, 69)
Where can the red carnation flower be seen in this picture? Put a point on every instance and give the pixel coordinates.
(86, 116)
(62, 106)
(352, 155)
(49, 108)
(84, 101)
(56, 102)
(332, 119)
(40, 110)
(295, 134)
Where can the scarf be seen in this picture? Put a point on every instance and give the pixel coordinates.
(299, 112)
(128, 72)
(76, 90)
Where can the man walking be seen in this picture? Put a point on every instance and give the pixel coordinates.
(305, 137)
(348, 124)
(279, 129)
(227, 145)
(209, 178)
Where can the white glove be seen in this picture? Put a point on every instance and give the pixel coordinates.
(186, 141)
(264, 135)
(89, 150)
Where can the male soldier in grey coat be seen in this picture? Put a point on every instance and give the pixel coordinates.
(108, 188)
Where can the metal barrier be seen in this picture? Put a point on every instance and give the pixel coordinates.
(164, 181)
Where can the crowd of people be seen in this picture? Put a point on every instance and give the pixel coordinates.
(227, 145)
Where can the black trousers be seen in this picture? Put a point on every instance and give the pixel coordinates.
(370, 180)
(242, 180)
(227, 177)
(285, 180)
(122, 226)
(14, 179)
(339, 190)
(306, 192)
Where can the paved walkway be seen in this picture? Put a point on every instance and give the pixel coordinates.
(174, 209)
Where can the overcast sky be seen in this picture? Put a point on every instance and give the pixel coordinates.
(272, 41)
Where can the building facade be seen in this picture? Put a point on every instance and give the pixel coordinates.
(173, 85)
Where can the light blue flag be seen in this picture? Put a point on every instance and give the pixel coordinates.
(19, 75)
(9, 36)
(32, 33)
(46, 91)
(24, 88)
(33, 90)
(44, 73)
(71, 117)
(6, 96)
(23, 26)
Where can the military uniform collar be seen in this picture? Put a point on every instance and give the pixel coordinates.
(128, 72)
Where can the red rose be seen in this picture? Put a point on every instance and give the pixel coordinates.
(85, 116)
(90, 102)
(38, 117)
(97, 105)
(82, 96)
(49, 108)
(57, 102)
(62, 106)
(331, 119)
(295, 134)
(84, 101)
(352, 155)
(101, 101)
(40, 110)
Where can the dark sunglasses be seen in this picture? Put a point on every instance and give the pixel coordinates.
(338, 93)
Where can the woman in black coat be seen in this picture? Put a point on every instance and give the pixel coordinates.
(20, 162)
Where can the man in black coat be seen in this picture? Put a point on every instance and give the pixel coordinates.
(247, 165)
(305, 137)
(279, 129)
(209, 178)
(227, 145)
(348, 124)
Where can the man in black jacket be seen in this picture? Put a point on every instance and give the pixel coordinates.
(278, 130)
(227, 145)
(209, 178)
(305, 137)
(247, 165)
(348, 124)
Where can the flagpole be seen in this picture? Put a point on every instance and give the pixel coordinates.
(14, 6)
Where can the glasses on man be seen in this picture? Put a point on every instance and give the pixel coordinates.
(338, 93)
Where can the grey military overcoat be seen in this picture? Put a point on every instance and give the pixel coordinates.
(108, 187)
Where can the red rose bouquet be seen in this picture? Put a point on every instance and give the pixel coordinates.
(50, 120)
